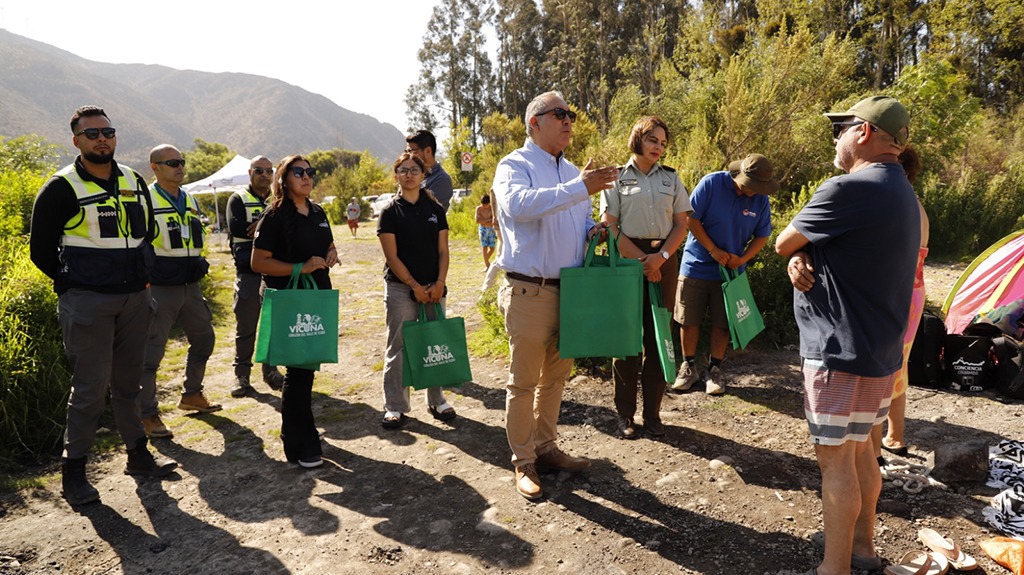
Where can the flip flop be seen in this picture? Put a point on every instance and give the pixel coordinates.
(393, 420)
(917, 563)
(856, 561)
(948, 549)
(898, 451)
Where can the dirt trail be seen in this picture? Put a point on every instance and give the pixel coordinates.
(437, 498)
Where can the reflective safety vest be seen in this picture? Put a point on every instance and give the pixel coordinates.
(104, 244)
(254, 208)
(177, 235)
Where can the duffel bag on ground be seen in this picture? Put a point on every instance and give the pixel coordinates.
(924, 367)
(1009, 377)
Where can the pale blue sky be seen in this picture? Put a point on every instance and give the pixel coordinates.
(360, 54)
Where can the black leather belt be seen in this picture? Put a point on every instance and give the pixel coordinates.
(648, 246)
(530, 279)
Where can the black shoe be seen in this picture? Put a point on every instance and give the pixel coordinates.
(627, 430)
(274, 379)
(77, 490)
(654, 428)
(142, 462)
(242, 387)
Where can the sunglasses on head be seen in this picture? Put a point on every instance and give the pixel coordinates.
(560, 113)
(172, 163)
(839, 127)
(94, 133)
(262, 171)
(298, 172)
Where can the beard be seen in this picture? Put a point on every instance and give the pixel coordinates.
(99, 158)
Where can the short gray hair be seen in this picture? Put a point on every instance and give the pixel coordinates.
(536, 106)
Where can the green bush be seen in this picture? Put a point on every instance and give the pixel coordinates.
(462, 220)
(34, 377)
(18, 189)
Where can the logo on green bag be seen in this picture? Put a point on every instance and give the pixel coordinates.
(742, 310)
(306, 325)
(670, 351)
(437, 355)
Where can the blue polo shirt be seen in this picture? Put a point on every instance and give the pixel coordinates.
(730, 218)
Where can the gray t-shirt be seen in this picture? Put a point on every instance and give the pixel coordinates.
(864, 231)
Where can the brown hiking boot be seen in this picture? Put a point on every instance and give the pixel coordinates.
(558, 461)
(528, 482)
(155, 428)
(198, 402)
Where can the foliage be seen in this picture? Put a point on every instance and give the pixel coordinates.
(327, 161)
(365, 176)
(204, 159)
(34, 378)
(18, 188)
(460, 140)
(491, 339)
(29, 153)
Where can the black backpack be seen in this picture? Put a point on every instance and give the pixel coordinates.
(924, 366)
(1009, 377)
(969, 362)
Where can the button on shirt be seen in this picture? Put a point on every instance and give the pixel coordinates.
(645, 203)
(544, 212)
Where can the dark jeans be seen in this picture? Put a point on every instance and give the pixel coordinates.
(298, 430)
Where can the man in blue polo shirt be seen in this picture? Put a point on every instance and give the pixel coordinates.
(730, 223)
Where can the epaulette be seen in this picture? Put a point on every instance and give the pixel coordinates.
(668, 169)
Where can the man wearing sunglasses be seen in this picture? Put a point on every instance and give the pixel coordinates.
(245, 208)
(178, 242)
(543, 208)
(92, 224)
(423, 145)
(853, 253)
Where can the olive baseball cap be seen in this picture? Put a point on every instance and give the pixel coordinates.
(882, 111)
(754, 172)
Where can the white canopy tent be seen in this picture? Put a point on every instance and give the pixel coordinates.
(234, 175)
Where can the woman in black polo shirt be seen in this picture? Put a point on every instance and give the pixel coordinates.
(295, 230)
(413, 233)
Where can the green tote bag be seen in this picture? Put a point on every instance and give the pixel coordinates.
(600, 305)
(745, 320)
(298, 325)
(662, 332)
(434, 353)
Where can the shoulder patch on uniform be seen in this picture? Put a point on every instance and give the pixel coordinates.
(668, 169)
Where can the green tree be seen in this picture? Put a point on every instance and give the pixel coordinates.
(327, 161)
(204, 159)
(519, 30)
(31, 153)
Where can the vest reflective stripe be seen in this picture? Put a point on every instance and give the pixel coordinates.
(254, 208)
(105, 221)
(178, 236)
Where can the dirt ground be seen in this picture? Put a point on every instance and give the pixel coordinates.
(439, 498)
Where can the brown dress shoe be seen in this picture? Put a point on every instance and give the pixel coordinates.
(528, 482)
(558, 461)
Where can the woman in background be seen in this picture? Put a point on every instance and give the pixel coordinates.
(294, 230)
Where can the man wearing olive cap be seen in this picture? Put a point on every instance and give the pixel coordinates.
(853, 253)
(730, 223)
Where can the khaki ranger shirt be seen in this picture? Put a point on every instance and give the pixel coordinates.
(645, 203)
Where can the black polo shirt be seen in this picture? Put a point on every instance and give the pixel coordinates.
(292, 237)
(416, 227)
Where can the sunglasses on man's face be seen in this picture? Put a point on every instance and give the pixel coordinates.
(298, 172)
(838, 128)
(263, 171)
(560, 113)
(172, 163)
(94, 133)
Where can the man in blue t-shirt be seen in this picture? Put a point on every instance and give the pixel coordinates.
(730, 223)
(853, 253)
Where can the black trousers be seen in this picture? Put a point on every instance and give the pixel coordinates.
(298, 430)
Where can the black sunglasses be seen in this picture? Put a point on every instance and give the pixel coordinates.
(94, 133)
(262, 171)
(839, 127)
(560, 113)
(297, 171)
(172, 163)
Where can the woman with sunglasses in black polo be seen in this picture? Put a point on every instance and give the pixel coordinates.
(295, 230)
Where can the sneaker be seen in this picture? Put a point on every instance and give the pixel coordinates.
(528, 482)
(242, 387)
(274, 379)
(155, 428)
(198, 402)
(686, 378)
(714, 382)
(557, 460)
(310, 462)
(142, 462)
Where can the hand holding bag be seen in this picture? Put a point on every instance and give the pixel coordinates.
(298, 327)
(434, 353)
(662, 332)
(600, 305)
(745, 320)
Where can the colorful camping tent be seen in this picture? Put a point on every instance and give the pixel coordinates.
(995, 278)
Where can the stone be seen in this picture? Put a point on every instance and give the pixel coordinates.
(961, 462)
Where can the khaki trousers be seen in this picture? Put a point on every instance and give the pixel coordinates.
(537, 374)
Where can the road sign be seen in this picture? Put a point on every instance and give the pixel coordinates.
(467, 162)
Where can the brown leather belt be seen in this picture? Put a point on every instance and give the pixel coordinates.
(530, 279)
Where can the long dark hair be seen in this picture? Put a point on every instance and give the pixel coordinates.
(911, 162)
(281, 196)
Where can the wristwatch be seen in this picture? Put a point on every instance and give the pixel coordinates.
(665, 254)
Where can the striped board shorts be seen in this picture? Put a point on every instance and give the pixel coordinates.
(841, 406)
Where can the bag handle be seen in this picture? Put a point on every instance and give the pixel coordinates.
(613, 250)
(423, 312)
(299, 280)
(655, 294)
(727, 274)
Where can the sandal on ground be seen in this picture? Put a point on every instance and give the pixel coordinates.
(393, 420)
(900, 451)
(919, 563)
(856, 561)
(948, 549)
(443, 412)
